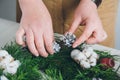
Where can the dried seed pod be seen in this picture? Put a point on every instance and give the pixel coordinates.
(107, 62)
(69, 39)
(56, 47)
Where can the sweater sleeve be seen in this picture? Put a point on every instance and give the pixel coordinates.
(97, 2)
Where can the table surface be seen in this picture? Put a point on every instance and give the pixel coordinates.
(8, 30)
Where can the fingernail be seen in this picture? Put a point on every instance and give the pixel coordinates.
(45, 56)
(52, 53)
(74, 45)
(36, 55)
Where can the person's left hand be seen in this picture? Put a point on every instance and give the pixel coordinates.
(86, 14)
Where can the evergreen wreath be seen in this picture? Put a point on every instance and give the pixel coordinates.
(59, 66)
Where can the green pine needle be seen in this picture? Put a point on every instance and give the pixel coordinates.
(59, 66)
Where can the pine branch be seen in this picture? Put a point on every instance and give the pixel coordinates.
(59, 66)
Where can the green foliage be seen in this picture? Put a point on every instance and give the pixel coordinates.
(59, 66)
(1, 71)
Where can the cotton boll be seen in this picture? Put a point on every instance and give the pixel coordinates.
(93, 61)
(7, 59)
(79, 57)
(85, 64)
(96, 79)
(88, 48)
(82, 56)
(93, 64)
(95, 55)
(12, 67)
(3, 53)
(7, 63)
(15, 64)
(74, 53)
(4, 63)
(87, 53)
(10, 70)
(3, 78)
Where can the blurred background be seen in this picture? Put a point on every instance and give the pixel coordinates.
(9, 11)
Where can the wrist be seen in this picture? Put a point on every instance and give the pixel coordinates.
(30, 5)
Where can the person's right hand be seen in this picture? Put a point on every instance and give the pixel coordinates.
(36, 25)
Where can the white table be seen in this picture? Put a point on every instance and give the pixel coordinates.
(8, 30)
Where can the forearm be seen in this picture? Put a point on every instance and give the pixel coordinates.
(31, 5)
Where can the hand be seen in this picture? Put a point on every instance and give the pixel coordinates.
(86, 14)
(36, 25)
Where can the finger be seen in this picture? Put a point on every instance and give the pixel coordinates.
(40, 45)
(85, 35)
(30, 42)
(97, 37)
(92, 39)
(48, 38)
(76, 22)
(19, 36)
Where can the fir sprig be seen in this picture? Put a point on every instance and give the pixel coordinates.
(59, 66)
